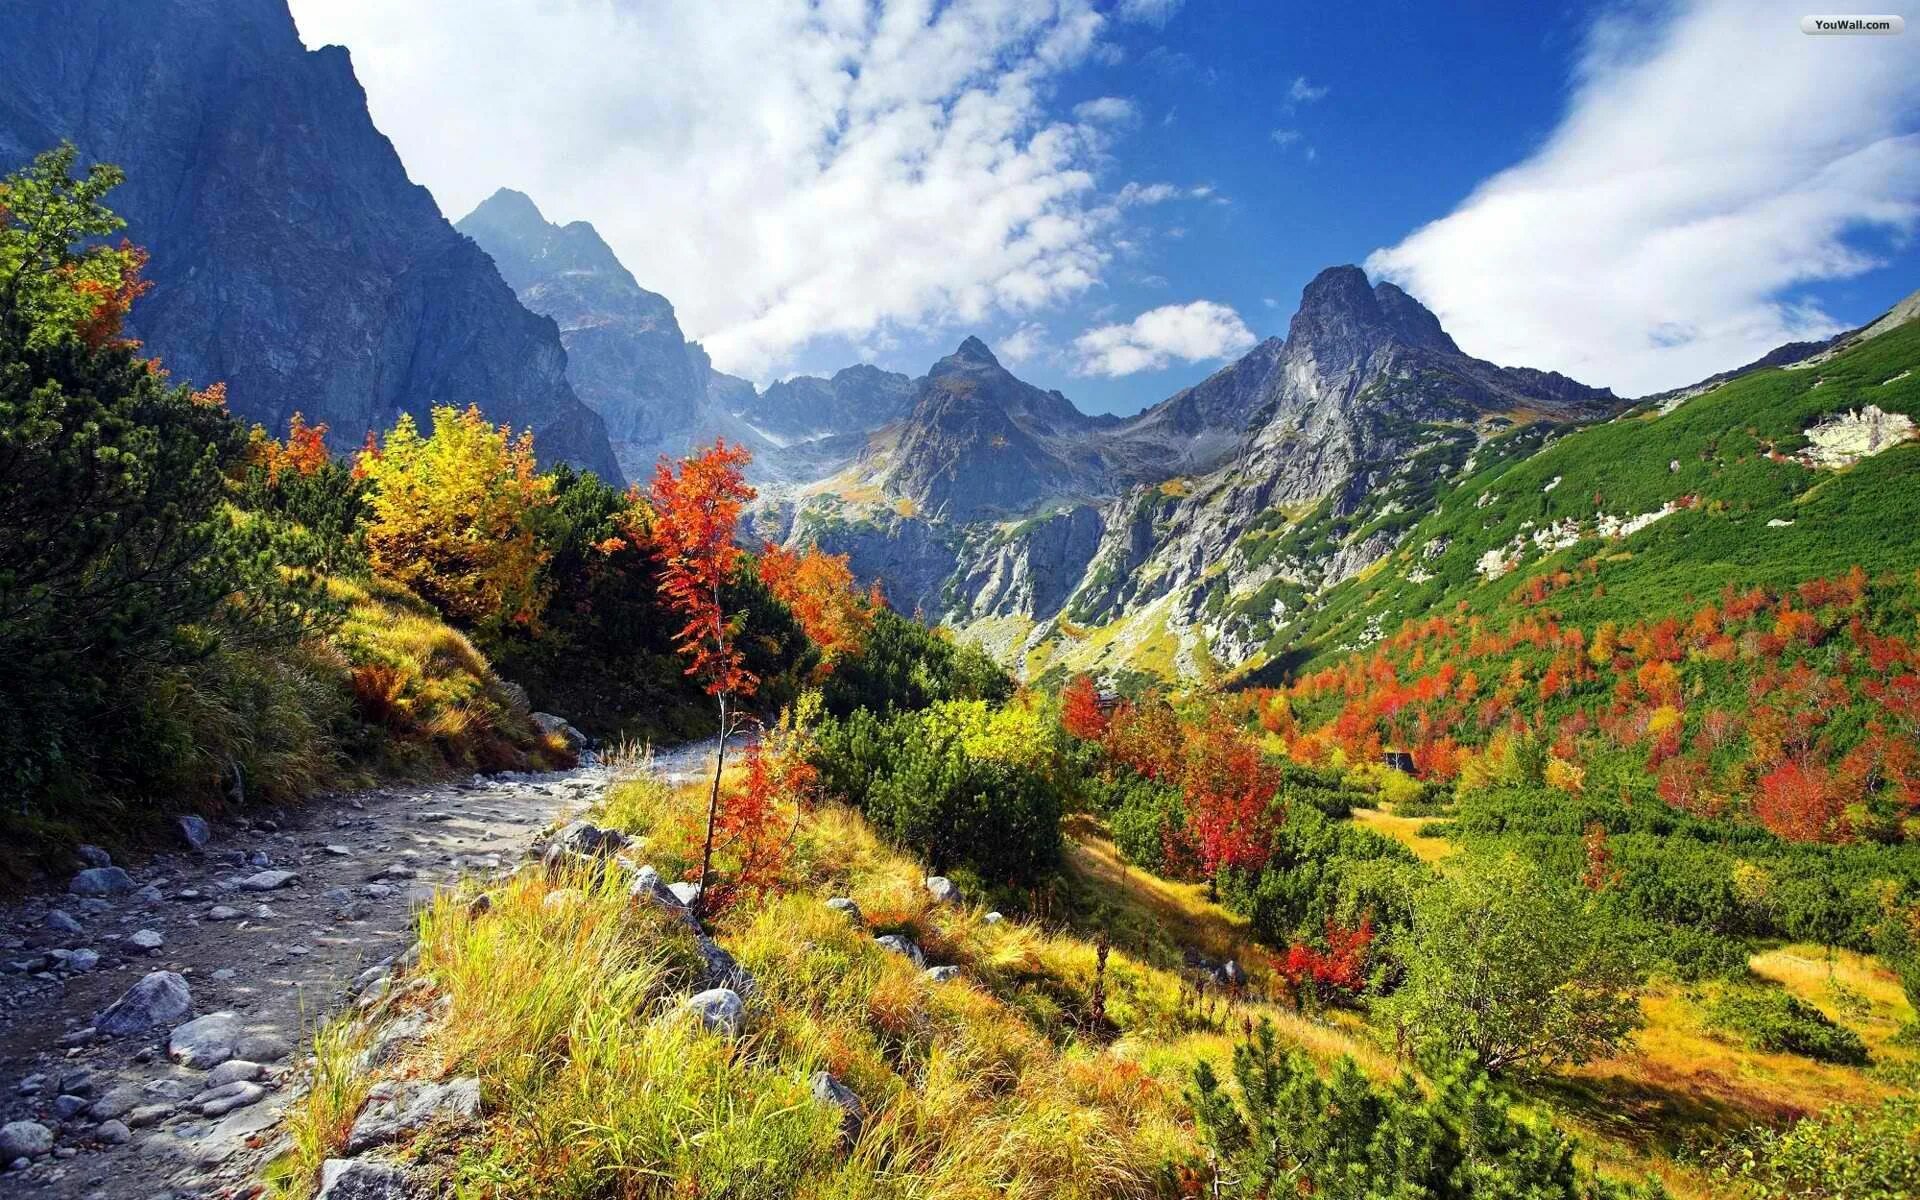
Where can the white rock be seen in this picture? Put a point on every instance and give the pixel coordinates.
(719, 1009)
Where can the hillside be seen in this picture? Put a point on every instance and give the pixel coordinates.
(1781, 475)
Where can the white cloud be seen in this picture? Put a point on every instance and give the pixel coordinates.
(1106, 110)
(1024, 344)
(1304, 92)
(1710, 161)
(799, 169)
(1148, 12)
(1286, 137)
(1146, 193)
(1176, 332)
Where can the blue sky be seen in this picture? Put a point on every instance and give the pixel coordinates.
(1120, 195)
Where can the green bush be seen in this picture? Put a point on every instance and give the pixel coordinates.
(1511, 967)
(1774, 1019)
(955, 784)
(905, 665)
(1285, 1130)
(1849, 1152)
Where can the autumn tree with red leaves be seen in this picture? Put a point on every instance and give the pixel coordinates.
(696, 513)
(1080, 713)
(818, 590)
(1230, 788)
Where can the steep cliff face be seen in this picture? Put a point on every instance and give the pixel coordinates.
(626, 356)
(292, 257)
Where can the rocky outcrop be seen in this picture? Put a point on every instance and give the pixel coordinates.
(292, 257)
(808, 407)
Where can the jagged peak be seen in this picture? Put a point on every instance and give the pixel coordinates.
(508, 208)
(975, 350)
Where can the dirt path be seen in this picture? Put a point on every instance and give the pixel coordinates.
(126, 1121)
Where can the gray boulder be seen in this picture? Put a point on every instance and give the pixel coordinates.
(942, 974)
(102, 881)
(24, 1139)
(161, 997)
(647, 887)
(685, 893)
(941, 889)
(262, 1048)
(550, 725)
(361, 1179)
(206, 1042)
(145, 940)
(118, 1102)
(901, 944)
(845, 906)
(93, 856)
(194, 831)
(993, 918)
(114, 1133)
(222, 912)
(719, 1009)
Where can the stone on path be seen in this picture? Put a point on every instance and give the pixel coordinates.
(160, 997)
(101, 881)
(206, 1042)
(61, 921)
(234, 1070)
(194, 831)
(269, 881)
(221, 912)
(24, 1139)
(145, 939)
(219, 1101)
(114, 1133)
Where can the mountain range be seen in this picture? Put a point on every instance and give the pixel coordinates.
(292, 258)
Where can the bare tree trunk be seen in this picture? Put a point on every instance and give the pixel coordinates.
(713, 810)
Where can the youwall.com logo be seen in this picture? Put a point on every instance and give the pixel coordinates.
(1853, 24)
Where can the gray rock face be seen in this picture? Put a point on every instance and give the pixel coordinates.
(205, 1042)
(808, 407)
(292, 256)
(719, 1009)
(24, 1139)
(361, 1179)
(901, 944)
(102, 881)
(161, 997)
(395, 1111)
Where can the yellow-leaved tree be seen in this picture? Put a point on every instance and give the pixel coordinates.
(453, 517)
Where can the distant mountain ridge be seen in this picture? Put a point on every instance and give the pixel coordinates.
(291, 256)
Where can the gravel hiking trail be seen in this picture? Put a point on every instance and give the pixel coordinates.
(267, 927)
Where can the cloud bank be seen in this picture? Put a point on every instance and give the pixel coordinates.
(795, 169)
(1157, 338)
(1712, 158)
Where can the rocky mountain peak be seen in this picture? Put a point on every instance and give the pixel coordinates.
(975, 350)
(1411, 320)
